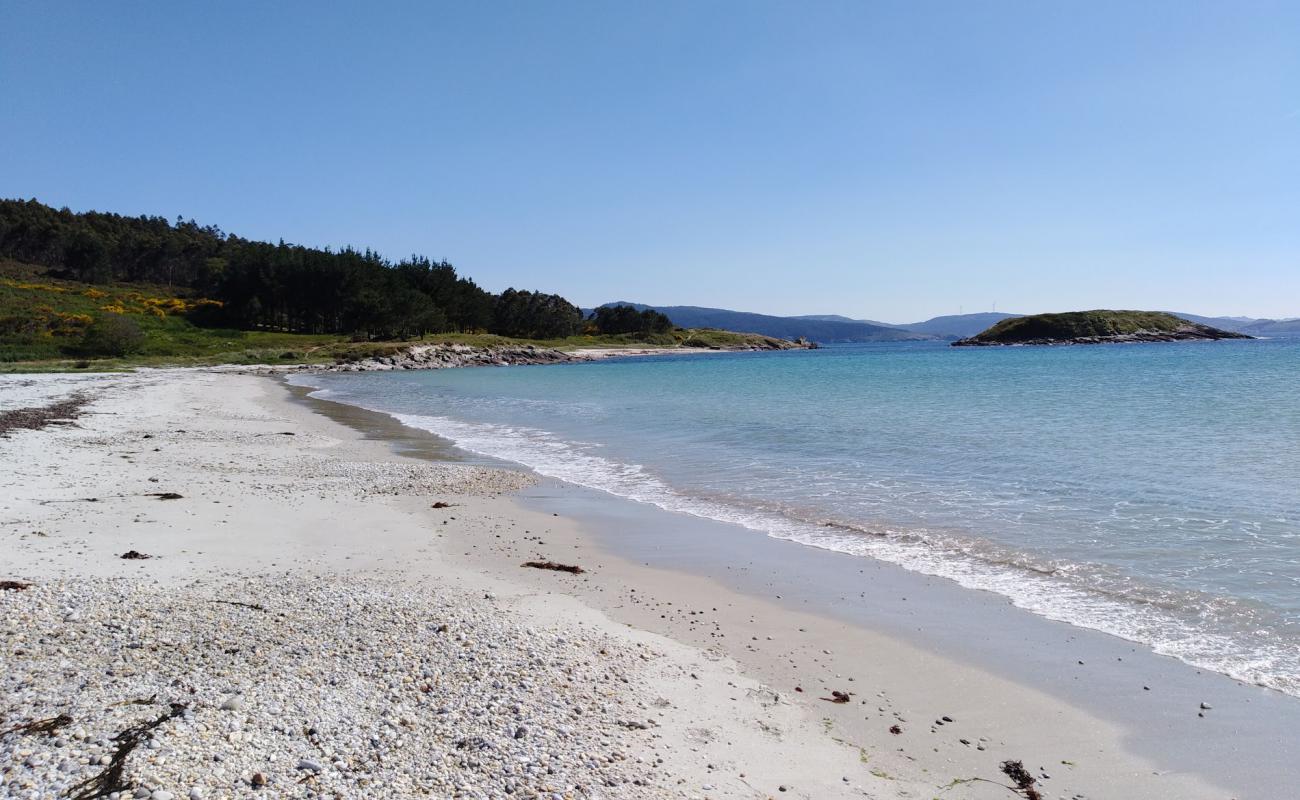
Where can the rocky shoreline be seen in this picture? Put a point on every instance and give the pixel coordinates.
(446, 356)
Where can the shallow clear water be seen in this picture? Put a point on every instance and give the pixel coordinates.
(1150, 491)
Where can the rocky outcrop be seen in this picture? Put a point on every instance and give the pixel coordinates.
(443, 356)
(1095, 327)
(1119, 338)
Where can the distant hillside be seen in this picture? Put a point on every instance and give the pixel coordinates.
(1254, 327)
(825, 331)
(953, 326)
(957, 326)
(1096, 327)
(842, 318)
(1272, 327)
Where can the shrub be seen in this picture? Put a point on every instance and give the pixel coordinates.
(112, 335)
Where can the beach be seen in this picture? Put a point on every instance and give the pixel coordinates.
(335, 605)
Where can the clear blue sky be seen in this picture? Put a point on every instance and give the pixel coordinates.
(886, 160)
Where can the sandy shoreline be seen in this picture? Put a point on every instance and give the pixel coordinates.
(714, 670)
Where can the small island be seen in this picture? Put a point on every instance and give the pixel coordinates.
(1095, 327)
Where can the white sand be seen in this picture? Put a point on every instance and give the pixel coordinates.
(263, 510)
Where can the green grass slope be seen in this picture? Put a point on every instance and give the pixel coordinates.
(44, 323)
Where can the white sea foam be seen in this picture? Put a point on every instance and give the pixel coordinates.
(1165, 621)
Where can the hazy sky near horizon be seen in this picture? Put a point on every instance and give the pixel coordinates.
(888, 160)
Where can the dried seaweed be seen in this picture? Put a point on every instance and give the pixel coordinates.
(111, 779)
(138, 701)
(13, 586)
(63, 412)
(551, 565)
(40, 727)
(254, 606)
(1024, 782)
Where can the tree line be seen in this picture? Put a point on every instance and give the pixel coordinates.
(289, 287)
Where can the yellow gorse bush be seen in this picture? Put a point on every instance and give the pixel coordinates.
(43, 287)
(61, 324)
(44, 320)
(161, 306)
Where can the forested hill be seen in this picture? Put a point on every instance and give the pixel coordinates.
(284, 287)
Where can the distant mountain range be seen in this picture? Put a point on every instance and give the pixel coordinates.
(825, 328)
(816, 330)
(1249, 325)
(833, 328)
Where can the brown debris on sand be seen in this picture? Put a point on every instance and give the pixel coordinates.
(1024, 782)
(134, 555)
(165, 495)
(112, 779)
(40, 727)
(551, 565)
(838, 697)
(63, 412)
(253, 606)
(13, 586)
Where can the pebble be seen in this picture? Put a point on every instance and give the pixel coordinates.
(352, 659)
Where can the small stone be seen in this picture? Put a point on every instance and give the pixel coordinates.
(258, 780)
(161, 795)
(232, 703)
(1206, 706)
(521, 732)
(196, 793)
(309, 765)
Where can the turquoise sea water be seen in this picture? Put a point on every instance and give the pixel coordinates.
(1149, 491)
